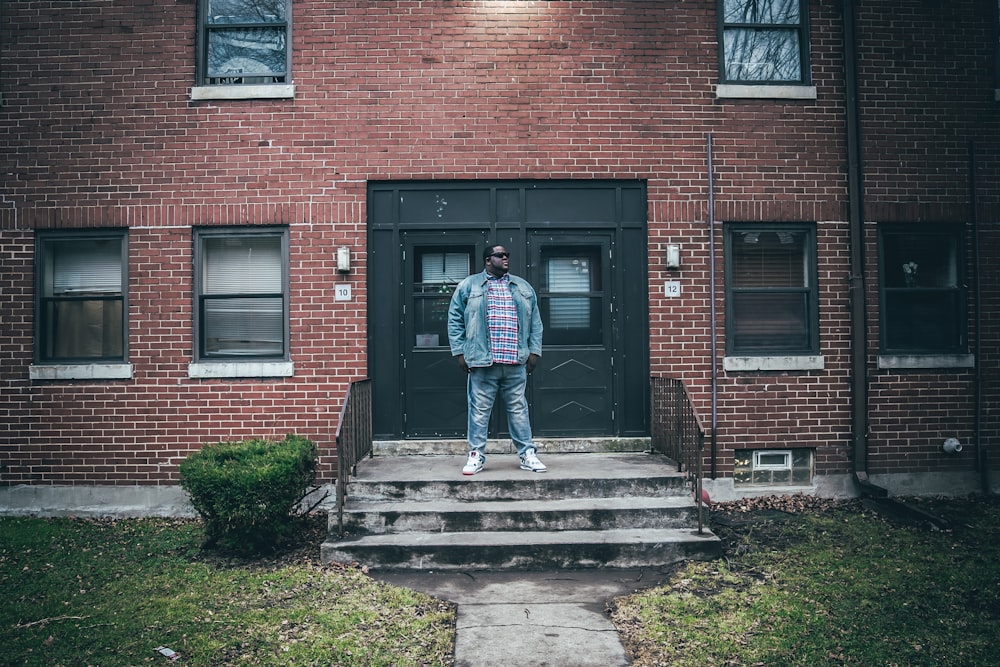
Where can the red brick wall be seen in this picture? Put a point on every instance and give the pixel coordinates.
(99, 131)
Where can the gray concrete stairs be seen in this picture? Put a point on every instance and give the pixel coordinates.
(592, 509)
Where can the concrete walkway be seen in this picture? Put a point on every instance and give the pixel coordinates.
(531, 619)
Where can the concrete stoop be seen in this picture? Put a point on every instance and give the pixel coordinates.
(590, 510)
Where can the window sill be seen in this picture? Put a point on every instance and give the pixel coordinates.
(80, 371)
(241, 369)
(269, 91)
(755, 92)
(812, 362)
(914, 361)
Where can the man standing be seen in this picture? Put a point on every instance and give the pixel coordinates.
(495, 331)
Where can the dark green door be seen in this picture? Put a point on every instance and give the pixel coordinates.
(572, 391)
(433, 390)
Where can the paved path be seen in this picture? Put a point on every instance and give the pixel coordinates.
(532, 619)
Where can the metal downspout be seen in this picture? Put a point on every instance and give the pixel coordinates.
(711, 307)
(859, 327)
(984, 478)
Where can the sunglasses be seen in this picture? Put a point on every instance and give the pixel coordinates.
(501, 255)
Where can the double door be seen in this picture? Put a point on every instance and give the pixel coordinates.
(571, 391)
(593, 374)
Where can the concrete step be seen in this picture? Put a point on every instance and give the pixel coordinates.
(532, 550)
(422, 478)
(617, 510)
(505, 446)
(553, 514)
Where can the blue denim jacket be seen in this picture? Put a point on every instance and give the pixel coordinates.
(467, 329)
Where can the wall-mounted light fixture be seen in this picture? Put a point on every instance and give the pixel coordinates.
(673, 256)
(343, 259)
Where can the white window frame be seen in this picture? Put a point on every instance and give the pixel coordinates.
(48, 366)
(749, 88)
(221, 364)
(238, 87)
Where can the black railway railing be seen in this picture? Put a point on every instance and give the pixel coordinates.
(676, 432)
(354, 439)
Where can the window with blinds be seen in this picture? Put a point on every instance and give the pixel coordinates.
(771, 290)
(242, 294)
(437, 271)
(922, 285)
(81, 303)
(570, 295)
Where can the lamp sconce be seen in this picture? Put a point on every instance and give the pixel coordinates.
(673, 256)
(343, 259)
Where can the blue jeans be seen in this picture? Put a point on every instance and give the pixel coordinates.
(484, 384)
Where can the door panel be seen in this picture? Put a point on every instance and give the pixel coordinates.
(433, 388)
(572, 389)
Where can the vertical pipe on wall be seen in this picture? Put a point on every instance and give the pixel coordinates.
(984, 479)
(859, 326)
(711, 302)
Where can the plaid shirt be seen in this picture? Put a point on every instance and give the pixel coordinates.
(501, 319)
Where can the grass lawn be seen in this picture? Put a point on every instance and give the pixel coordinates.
(829, 584)
(112, 592)
(803, 582)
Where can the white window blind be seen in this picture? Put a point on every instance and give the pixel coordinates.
(568, 275)
(86, 267)
(242, 266)
(444, 267)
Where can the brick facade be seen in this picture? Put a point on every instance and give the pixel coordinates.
(100, 131)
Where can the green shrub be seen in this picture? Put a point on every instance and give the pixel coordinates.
(248, 493)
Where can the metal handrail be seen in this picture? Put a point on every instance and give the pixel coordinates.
(676, 432)
(354, 439)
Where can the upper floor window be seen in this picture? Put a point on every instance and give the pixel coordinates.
(81, 306)
(771, 293)
(244, 42)
(241, 287)
(764, 41)
(923, 294)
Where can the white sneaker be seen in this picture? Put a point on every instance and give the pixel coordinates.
(474, 464)
(529, 461)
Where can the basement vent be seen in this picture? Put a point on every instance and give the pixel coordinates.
(774, 467)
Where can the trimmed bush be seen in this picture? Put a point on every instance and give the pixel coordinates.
(248, 492)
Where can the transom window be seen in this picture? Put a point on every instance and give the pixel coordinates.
(244, 42)
(923, 297)
(81, 296)
(241, 283)
(771, 295)
(764, 41)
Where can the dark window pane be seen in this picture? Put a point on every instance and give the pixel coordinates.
(761, 11)
(762, 55)
(246, 11)
(83, 329)
(923, 320)
(770, 321)
(922, 260)
(571, 320)
(242, 52)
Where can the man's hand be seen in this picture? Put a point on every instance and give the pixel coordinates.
(530, 364)
(461, 363)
